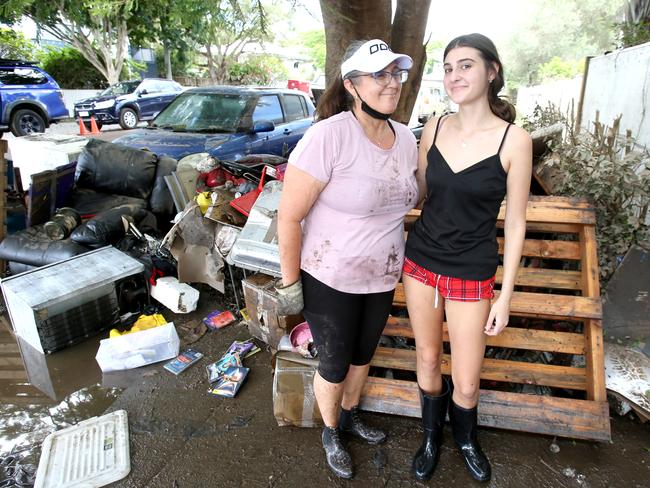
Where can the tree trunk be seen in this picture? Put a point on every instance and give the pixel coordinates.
(407, 35)
(211, 69)
(349, 20)
(167, 52)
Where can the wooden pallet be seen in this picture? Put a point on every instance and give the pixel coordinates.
(3, 199)
(559, 230)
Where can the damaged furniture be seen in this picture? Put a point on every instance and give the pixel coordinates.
(555, 315)
(64, 303)
(110, 180)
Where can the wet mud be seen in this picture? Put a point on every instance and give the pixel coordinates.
(180, 436)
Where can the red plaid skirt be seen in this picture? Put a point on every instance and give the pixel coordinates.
(451, 288)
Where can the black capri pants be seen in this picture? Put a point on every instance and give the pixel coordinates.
(345, 326)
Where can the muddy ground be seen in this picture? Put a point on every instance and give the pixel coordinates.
(182, 437)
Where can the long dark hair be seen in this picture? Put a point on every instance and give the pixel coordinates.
(500, 107)
(336, 99)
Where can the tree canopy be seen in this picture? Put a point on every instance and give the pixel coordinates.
(565, 29)
(13, 45)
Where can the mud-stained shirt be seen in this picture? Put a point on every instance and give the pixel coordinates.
(353, 236)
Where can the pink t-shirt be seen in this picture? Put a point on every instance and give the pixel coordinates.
(353, 236)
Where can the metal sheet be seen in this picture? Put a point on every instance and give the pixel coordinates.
(256, 248)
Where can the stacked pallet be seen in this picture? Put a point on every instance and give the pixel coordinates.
(563, 288)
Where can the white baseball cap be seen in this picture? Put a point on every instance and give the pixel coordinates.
(374, 56)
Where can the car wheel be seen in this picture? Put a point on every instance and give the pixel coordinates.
(128, 118)
(26, 121)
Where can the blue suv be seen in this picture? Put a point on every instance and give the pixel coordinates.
(228, 122)
(30, 99)
(128, 102)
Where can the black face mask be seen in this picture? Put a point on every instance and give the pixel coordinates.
(371, 111)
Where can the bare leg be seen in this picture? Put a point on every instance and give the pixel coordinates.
(467, 339)
(353, 385)
(466, 321)
(426, 322)
(328, 396)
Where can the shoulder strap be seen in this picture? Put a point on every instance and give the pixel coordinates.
(504, 139)
(435, 135)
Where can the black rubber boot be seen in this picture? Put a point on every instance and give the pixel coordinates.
(434, 409)
(464, 426)
(351, 423)
(338, 457)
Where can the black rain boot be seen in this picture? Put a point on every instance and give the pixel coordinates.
(351, 423)
(338, 457)
(464, 426)
(434, 409)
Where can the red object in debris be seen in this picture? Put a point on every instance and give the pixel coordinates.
(155, 274)
(244, 203)
(299, 85)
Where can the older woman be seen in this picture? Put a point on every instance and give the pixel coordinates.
(349, 184)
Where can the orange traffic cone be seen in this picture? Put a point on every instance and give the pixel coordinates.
(82, 128)
(93, 126)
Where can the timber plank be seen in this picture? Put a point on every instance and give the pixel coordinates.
(595, 354)
(561, 228)
(16, 374)
(547, 415)
(547, 249)
(549, 210)
(545, 278)
(542, 305)
(9, 348)
(511, 337)
(11, 362)
(492, 369)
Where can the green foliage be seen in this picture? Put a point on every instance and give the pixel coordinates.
(574, 28)
(633, 34)
(434, 55)
(182, 62)
(599, 165)
(560, 69)
(543, 117)
(313, 43)
(257, 70)
(71, 69)
(13, 45)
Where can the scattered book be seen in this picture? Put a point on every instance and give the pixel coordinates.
(218, 319)
(183, 361)
(216, 370)
(230, 382)
(227, 374)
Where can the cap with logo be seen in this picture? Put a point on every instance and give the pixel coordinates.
(374, 56)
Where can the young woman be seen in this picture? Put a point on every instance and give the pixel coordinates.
(468, 162)
(349, 184)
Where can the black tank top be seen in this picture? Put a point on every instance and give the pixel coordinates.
(456, 232)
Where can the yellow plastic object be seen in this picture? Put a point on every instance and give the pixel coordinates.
(144, 322)
(204, 201)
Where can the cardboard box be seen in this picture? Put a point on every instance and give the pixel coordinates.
(265, 323)
(294, 401)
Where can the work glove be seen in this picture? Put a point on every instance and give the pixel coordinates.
(290, 300)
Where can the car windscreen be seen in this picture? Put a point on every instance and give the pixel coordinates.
(122, 88)
(204, 112)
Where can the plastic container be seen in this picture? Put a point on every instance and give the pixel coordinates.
(92, 453)
(138, 349)
(177, 297)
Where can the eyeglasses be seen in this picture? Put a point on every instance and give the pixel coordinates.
(383, 78)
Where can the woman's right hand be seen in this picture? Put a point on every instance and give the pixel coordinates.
(290, 301)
